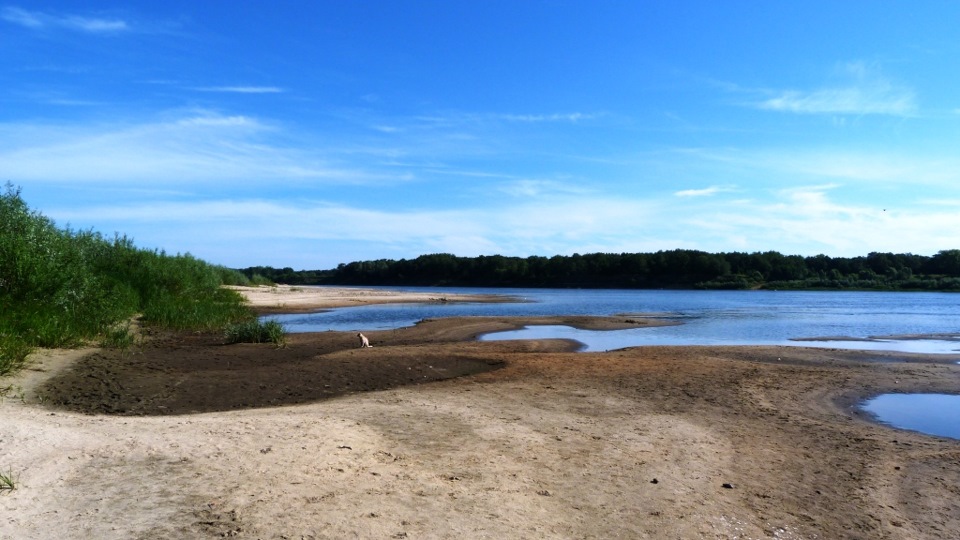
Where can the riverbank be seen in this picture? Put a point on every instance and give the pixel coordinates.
(294, 299)
(430, 434)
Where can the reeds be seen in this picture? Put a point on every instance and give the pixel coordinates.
(118, 337)
(60, 287)
(255, 331)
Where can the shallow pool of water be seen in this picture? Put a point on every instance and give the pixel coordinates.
(933, 414)
(607, 340)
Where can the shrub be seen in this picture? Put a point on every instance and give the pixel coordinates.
(229, 276)
(258, 280)
(256, 331)
(60, 287)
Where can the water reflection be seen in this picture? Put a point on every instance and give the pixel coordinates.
(933, 414)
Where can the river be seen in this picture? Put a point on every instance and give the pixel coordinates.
(908, 322)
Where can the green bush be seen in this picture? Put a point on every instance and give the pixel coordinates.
(255, 331)
(61, 288)
(257, 280)
(228, 276)
(13, 352)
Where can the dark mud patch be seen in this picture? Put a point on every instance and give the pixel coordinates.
(197, 373)
(184, 372)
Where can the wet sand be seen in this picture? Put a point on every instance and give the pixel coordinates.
(431, 434)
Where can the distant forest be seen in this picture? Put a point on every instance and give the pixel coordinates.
(676, 269)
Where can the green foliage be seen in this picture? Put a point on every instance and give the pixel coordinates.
(257, 280)
(266, 275)
(255, 331)
(13, 352)
(118, 337)
(229, 276)
(60, 287)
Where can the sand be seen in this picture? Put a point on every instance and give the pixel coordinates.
(294, 299)
(431, 434)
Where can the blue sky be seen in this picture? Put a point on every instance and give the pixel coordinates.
(311, 133)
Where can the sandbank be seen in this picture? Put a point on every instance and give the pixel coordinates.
(298, 299)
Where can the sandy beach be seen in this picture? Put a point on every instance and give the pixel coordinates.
(293, 299)
(432, 434)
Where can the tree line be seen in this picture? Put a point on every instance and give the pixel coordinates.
(675, 269)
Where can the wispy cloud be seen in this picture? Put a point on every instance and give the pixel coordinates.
(556, 117)
(704, 192)
(242, 89)
(39, 20)
(831, 165)
(861, 89)
(197, 147)
(810, 221)
(531, 227)
(455, 118)
(539, 188)
(876, 99)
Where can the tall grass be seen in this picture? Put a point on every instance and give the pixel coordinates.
(61, 287)
(255, 331)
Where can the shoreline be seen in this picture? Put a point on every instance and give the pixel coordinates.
(431, 434)
(282, 299)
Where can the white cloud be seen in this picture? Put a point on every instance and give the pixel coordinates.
(40, 20)
(527, 228)
(200, 147)
(954, 202)
(811, 222)
(208, 120)
(861, 90)
(556, 117)
(22, 17)
(853, 100)
(242, 89)
(95, 25)
(458, 118)
(705, 192)
(529, 188)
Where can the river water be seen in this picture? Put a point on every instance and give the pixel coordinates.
(856, 320)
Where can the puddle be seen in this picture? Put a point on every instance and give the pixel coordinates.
(591, 340)
(933, 414)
